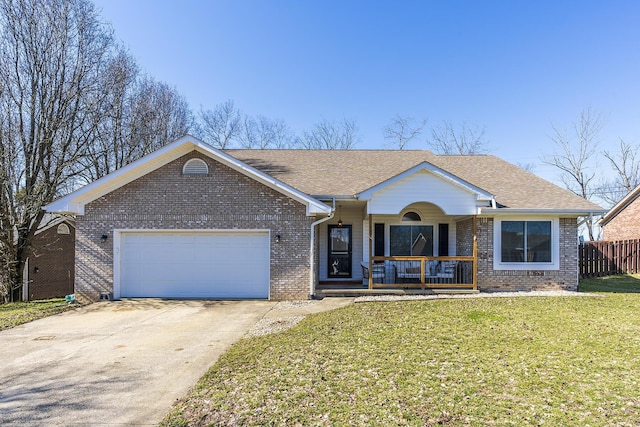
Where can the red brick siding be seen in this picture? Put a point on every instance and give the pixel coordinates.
(525, 280)
(51, 264)
(625, 225)
(223, 199)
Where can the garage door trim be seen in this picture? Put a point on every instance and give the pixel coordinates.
(117, 241)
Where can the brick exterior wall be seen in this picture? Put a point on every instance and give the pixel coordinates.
(464, 238)
(565, 278)
(625, 225)
(51, 264)
(167, 199)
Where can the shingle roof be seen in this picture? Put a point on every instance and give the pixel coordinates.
(349, 172)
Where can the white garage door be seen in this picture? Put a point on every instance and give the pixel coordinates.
(224, 265)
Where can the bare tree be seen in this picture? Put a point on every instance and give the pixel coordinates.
(138, 116)
(110, 148)
(263, 132)
(220, 126)
(402, 130)
(158, 115)
(53, 53)
(465, 139)
(575, 157)
(328, 135)
(626, 165)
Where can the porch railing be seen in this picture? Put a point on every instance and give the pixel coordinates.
(423, 272)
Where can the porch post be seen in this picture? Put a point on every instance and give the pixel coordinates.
(475, 252)
(370, 252)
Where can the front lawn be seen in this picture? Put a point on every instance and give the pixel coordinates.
(17, 313)
(570, 361)
(629, 283)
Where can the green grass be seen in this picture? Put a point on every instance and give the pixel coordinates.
(569, 361)
(617, 284)
(17, 313)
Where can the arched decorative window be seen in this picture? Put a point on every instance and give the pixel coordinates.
(411, 216)
(63, 229)
(195, 167)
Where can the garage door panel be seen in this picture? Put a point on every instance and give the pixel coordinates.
(195, 265)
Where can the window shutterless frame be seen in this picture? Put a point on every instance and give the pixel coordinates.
(526, 243)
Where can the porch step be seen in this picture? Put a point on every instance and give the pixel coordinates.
(346, 292)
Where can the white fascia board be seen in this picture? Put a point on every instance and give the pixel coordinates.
(74, 202)
(539, 211)
(65, 206)
(441, 173)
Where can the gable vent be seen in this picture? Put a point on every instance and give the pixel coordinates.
(195, 167)
(63, 229)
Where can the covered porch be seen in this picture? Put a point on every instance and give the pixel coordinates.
(418, 234)
(416, 273)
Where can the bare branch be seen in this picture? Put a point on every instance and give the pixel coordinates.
(327, 135)
(222, 125)
(402, 130)
(574, 156)
(466, 139)
(263, 133)
(626, 165)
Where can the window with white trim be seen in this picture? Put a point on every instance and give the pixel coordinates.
(526, 243)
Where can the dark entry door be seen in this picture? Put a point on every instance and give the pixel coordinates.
(339, 251)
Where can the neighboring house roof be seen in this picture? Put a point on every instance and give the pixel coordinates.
(75, 202)
(620, 206)
(350, 172)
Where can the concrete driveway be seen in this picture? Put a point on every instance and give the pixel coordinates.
(115, 363)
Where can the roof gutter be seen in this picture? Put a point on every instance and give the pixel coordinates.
(312, 282)
(530, 211)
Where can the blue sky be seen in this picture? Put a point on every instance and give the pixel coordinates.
(514, 67)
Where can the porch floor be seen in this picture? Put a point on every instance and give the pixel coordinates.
(350, 291)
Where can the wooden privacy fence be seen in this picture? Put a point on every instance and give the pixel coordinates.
(606, 258)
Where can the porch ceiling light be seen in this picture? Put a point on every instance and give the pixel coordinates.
(339, 216)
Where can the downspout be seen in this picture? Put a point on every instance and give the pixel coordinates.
(25, 281)
(312, 283)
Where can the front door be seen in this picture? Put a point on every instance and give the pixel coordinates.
(339, 251)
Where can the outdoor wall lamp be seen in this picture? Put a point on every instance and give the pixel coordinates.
(104, 238)
(278, 238)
